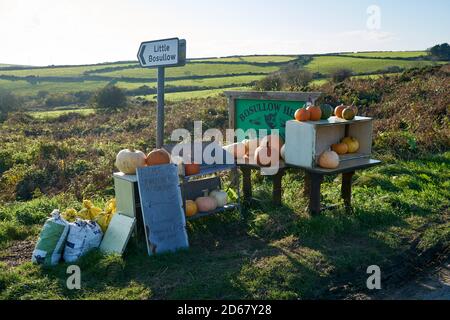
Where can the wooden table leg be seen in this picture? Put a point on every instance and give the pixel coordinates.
(247, 184)
(307, 185)
(314, 194)
(346, 189)
(277, 192)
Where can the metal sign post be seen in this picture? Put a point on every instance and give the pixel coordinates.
(160, 54)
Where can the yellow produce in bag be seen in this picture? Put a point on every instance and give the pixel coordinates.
(89, 211)
(104, 218)
(70, 214)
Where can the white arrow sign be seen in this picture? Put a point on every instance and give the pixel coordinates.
(162, 53)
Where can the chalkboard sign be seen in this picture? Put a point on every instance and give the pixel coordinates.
(162, 211)
(265, 110)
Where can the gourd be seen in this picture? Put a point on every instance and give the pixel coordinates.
(315, 113)
(340, 148)
(352, 143)
(191, 169)
(158, 157)
(264, 156)
(191, 208)
(329, 160)
(220, 196)
(283, 152)
(327, 111)
(128, 160)
(338, 111)
(206, 203)
(272, 141)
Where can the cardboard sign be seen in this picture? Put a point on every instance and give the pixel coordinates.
(162, 211)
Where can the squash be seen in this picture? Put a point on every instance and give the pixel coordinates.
(191, 208)
(338, 111)
(302, 115)
(266, 157)
(283, 152)
(250, 146)
(340, 148)
(191, 169)
(128, 160)
(348, 113)
(352, 143)
(329, 160)
(327, 111)
(158, 157)
(315, 113)
(220, 196)
(273, 141)
(236, 149)
(206, 203)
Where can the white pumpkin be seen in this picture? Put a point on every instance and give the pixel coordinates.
(283, 152)
(236, 149)
(329, 160)
(128, 160)
(220, 196)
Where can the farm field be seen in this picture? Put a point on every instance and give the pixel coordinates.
(400, 219)
(328, 64)
(53, 114)
(389, 54)
(180, 96)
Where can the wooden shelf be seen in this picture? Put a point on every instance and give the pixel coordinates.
(228, 207)
(210, 169)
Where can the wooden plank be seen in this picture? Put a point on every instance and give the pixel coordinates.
(314, 197)
(247, 183)
(346, 166)
(273, 95)
(277, 191)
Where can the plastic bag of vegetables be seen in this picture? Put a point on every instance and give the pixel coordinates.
(83, 236)
(51, 241)
(104, 218)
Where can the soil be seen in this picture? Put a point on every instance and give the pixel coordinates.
(17, 253)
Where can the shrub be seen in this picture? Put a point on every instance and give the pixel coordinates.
(8, 103)
(295, 79)
(272, 82)
(110, 98)
(341, 75)
(59, 99)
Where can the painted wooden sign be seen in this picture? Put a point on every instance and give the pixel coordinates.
(162, 211)
(265, 110)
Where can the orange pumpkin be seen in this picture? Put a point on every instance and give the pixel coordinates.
(315, 113)
(191, 208)
(340, 148)
(191, 169)
(158, 157)
(338, 111)
(302, 115)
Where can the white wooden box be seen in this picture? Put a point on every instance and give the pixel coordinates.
(306, 141)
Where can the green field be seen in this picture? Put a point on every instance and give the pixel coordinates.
(72, 71)
(178, 96)
(201, 69)
(389, 54)
(56, 113)
(24, 88)
(328, 64)
(257, 59)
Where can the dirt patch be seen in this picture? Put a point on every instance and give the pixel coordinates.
(17, 253)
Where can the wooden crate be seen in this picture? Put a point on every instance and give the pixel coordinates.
(306, 141)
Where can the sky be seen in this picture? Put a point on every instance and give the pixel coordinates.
(46, 32)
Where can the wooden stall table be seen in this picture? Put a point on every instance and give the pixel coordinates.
(314, 178)
(312, 184)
